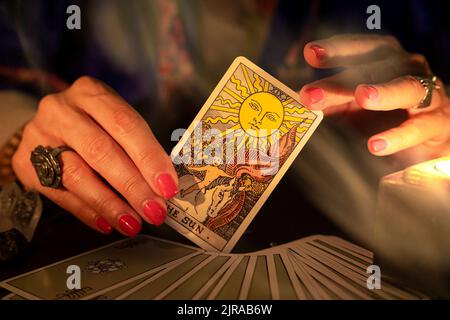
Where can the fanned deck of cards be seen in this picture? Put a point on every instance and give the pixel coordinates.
(144, 268)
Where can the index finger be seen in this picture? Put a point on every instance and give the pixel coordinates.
(129, 130)
(349, 49)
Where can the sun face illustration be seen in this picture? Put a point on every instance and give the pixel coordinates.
(253, 112)
(261, 114)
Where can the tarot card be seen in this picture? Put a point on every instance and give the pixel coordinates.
(346, 247)
(344, 264)
(232, 156)
(284, 282)
(309, 285)
(12, 296)
(248, 277)
(273, 278)
(286, 287)
(114, 293)
(101, 270)
(333, 284)
(182, 280)
(157, 287)
(198, 279)
(229, 286)
(206, 289)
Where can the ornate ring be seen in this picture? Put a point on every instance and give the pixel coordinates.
(48, 168)
(429, 84)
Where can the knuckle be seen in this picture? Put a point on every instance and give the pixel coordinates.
(57, 197)
(397, 138)
(132, 184)
(72, 176)
(99, 148)
(30, 130)
(88, 85)
(147, 158)
(413, 83)
(419, 58)
(420, 61)
(126, 120)
(103, 204)
(392, 41)
(48, 104)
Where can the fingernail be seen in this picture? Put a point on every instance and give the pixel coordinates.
(166, 185)
(318, 51)
(129, 225)
(372, 92)
(155, 212)
(378, 145)
(103, 225)
(314, 94)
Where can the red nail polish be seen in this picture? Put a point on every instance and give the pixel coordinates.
(372, 92)
(318, 51)
(129, 225)
(155, 212)
(314, 94)
(166, 185)
(378, 145)
(103, 225)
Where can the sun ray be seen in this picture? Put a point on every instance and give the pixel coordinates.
(241, 143)
(288, 125)
(284, 129)
(230, 130)
(248, 141)
(294, 119)
(247, 79)
(263, 144)
(233, 94)
(225, 109)
(270, 140)
(254, 143)
(239, 86)
(294, 109)
(228, 102)
(301, 129)
(266, 86)
(285, 103)
(228, 119)
(257, 83)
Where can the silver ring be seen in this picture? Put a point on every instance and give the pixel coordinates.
(428, 84)
(47, 165)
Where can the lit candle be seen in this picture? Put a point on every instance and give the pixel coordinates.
(412, 237)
